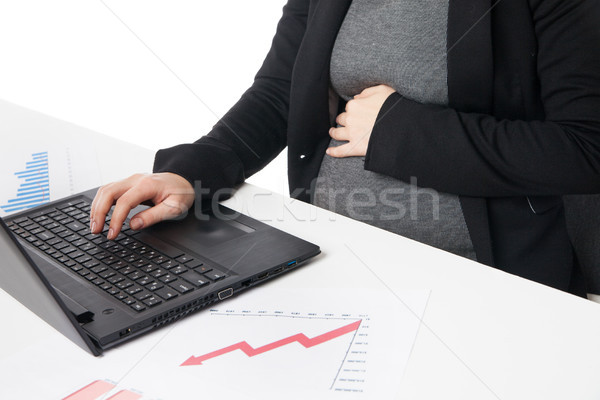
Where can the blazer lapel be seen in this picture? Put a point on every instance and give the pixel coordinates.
(308, 121)
(470, 89)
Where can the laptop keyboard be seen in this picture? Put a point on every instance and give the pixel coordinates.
(134, 272)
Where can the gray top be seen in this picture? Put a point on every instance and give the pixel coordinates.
(401, 43)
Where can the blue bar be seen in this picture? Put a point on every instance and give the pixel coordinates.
(30, 184)
(24, 203)
(35, 174)
(39, 154)
(36, 162)
(37, 196)
(28, 171)
(34, 192)
(38, 179)
(23, 189)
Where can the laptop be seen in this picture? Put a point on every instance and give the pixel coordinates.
(101, 293)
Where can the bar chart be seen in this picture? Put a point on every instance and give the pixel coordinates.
(34, 184)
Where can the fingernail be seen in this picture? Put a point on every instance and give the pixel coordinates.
(93, 226)
(110, 234)
(136, 224)
(328, 152)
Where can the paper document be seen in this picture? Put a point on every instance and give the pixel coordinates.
(299, 344)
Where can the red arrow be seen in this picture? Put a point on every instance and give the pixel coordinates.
(300, 338)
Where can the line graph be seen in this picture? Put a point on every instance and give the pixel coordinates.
(300, 338)
(34, 188)
(300, 349)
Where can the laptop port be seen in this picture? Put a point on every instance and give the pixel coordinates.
(278, 270)
(291, 264)
(125, 332)
(223, 294)
(262, 276)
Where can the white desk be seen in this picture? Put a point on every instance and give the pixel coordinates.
(484, 335)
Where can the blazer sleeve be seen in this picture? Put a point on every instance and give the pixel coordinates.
(479, 155)
(253, 131)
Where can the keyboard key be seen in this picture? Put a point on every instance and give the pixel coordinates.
(61, 245)
(142, 295)
(124, 284)
(72, 238)
(129, 301)
(149, 267)
(113, 290)
(136, 275)
(203, 269)
(106, 286)
(160, 259)
(184, 258)
(154, 286)
(166, 293)
(168, 278)
(82, 259)
(120, 296)
(110, 260)
(169, 264)
(75, 226)
(76, 267)
(83, 272)
(144, 280)
(45, 235)
(182, 287)
(54, 241)
(110, 275)
(90, 264)
(215, 275)
(65, 233)
(158, 273)
(133, 290)
(115, 279)
(66, 249)
(138, 307)
(194, 264)
(195, 278)
(99, 269)
(152, 301)
(178, 270)
(101, 255)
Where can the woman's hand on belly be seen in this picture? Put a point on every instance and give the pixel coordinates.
(356, 123)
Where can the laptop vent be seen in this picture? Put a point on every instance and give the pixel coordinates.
(184, 310)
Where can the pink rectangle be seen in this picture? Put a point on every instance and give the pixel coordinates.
(125, 395)
(91, 391)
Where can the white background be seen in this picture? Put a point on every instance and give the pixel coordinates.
(154, 73)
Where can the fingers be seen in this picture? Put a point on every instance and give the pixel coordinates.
(171, 194)
(342, 119)
(104, 200)
(346, 150)
(128, 201)
(172, 207)
(339, 134)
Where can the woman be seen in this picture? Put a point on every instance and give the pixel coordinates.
(494, 105)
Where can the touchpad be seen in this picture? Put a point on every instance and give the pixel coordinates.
(192, 232)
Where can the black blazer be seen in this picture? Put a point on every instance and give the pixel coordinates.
(522, 126)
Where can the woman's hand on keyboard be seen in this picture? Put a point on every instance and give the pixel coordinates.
(171, 194)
